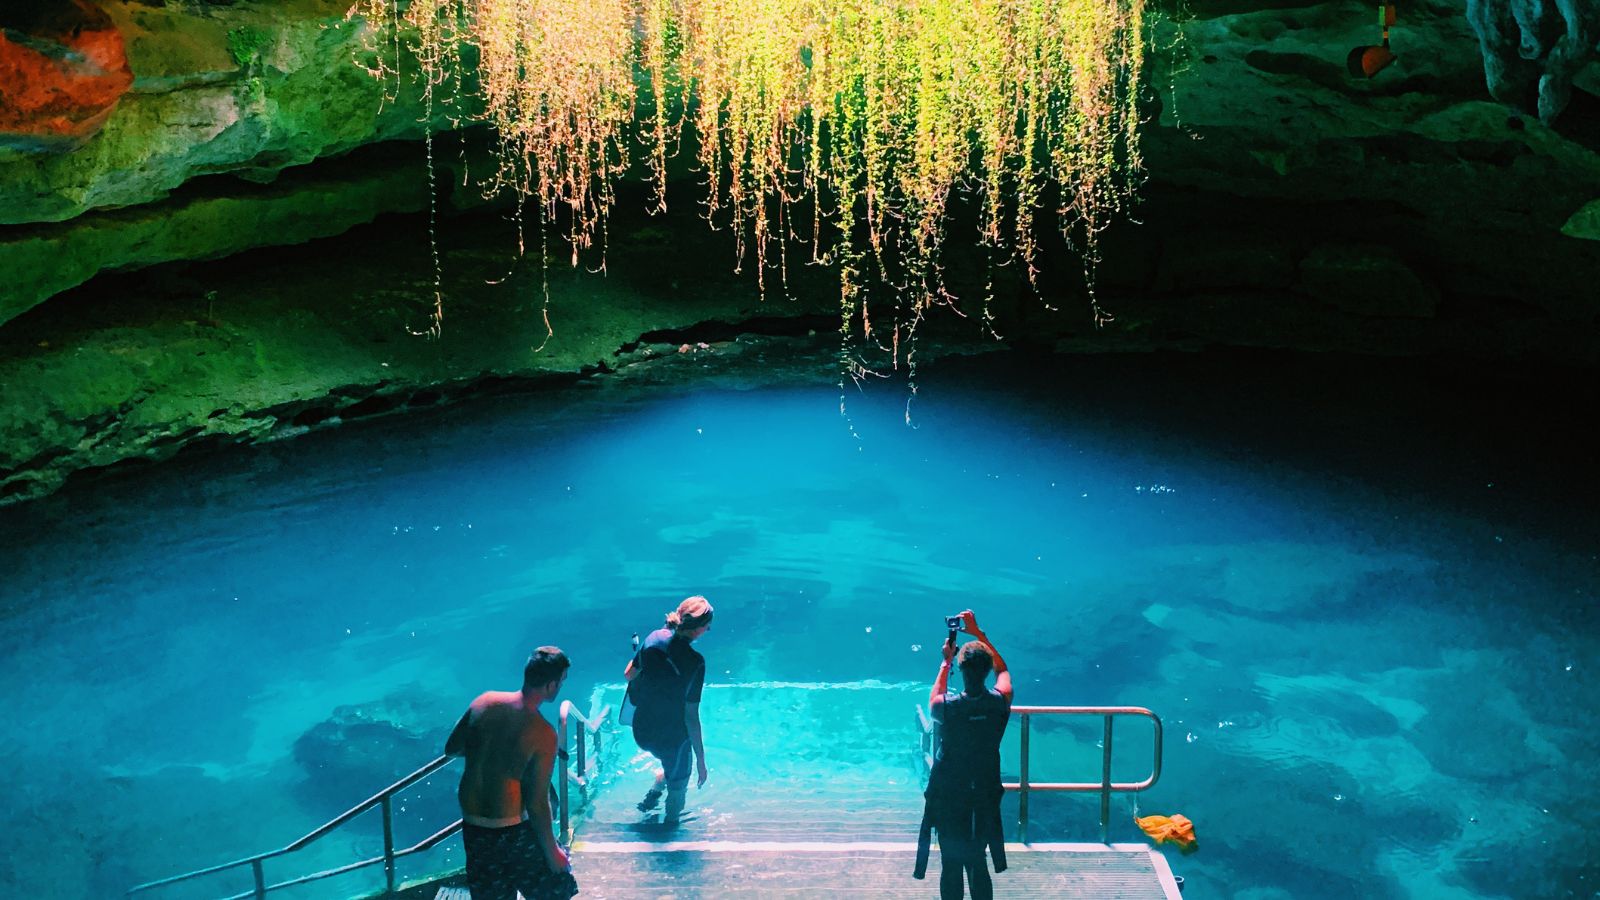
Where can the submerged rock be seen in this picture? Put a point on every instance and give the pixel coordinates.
(362, 748)
(1479, 732)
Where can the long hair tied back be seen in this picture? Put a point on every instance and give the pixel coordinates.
(690, 614)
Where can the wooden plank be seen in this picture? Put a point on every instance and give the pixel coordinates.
(794, 870)
(856, 874)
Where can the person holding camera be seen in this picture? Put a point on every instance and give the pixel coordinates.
(665, 679)
(962, 801)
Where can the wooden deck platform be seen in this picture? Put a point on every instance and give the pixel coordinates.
(810, 798)
(648, 870)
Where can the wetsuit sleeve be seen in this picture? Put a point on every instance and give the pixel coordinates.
(697, 683)
(650, 659)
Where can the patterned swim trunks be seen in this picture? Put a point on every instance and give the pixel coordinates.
(504, 861)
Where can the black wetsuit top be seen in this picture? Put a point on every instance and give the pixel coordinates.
(965, 784)
(671, 674)
(968, 765)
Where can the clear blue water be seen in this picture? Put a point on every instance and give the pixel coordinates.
(1360, 595)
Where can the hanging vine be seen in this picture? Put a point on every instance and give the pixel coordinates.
(847, 125)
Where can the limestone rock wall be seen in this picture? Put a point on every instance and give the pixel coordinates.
(245, 91)
(268, 345)
(1418, 164)
(1292, 205)
(63, 69)
(1289, 205)
(248, 89)
(1533, 49)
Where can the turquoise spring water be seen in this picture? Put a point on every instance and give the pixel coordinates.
(1361, 597)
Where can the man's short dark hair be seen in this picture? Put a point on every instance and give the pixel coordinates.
(975, 662)
(544, 666)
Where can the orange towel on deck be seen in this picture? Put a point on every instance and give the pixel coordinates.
(1175, 828)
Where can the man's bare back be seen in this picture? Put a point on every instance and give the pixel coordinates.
(510, 751)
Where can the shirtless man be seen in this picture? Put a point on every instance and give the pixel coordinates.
(505, 790)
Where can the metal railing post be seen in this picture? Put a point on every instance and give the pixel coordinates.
(926, 729)
(1026, 787)
(1022, 799)
(388, 843)
(583, 757)
(260, 876)
(1105, 786)
(599, 736)
(566, 772)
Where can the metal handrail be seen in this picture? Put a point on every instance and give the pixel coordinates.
(382, 798)
(929, 744)
(591, 724)
(426, 843)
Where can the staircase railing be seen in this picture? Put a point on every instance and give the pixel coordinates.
(384, 799)
(599, 716)
(928, 732)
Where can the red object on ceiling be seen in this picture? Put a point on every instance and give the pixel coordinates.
(62, 70)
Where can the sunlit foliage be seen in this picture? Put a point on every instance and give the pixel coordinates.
(843, 127)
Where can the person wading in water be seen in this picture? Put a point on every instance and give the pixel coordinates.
(665, 679)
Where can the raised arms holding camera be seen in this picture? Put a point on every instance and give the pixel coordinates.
(967, 622)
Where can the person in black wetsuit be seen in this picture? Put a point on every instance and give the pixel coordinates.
(962, 802)
(665, 679)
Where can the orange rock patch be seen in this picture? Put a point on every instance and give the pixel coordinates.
(63, 69)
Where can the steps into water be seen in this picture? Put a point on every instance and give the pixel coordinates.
(718, 869)
(815, 791)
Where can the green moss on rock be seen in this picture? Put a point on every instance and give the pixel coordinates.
(193, 112)
(1585, 223)
(45, 261)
